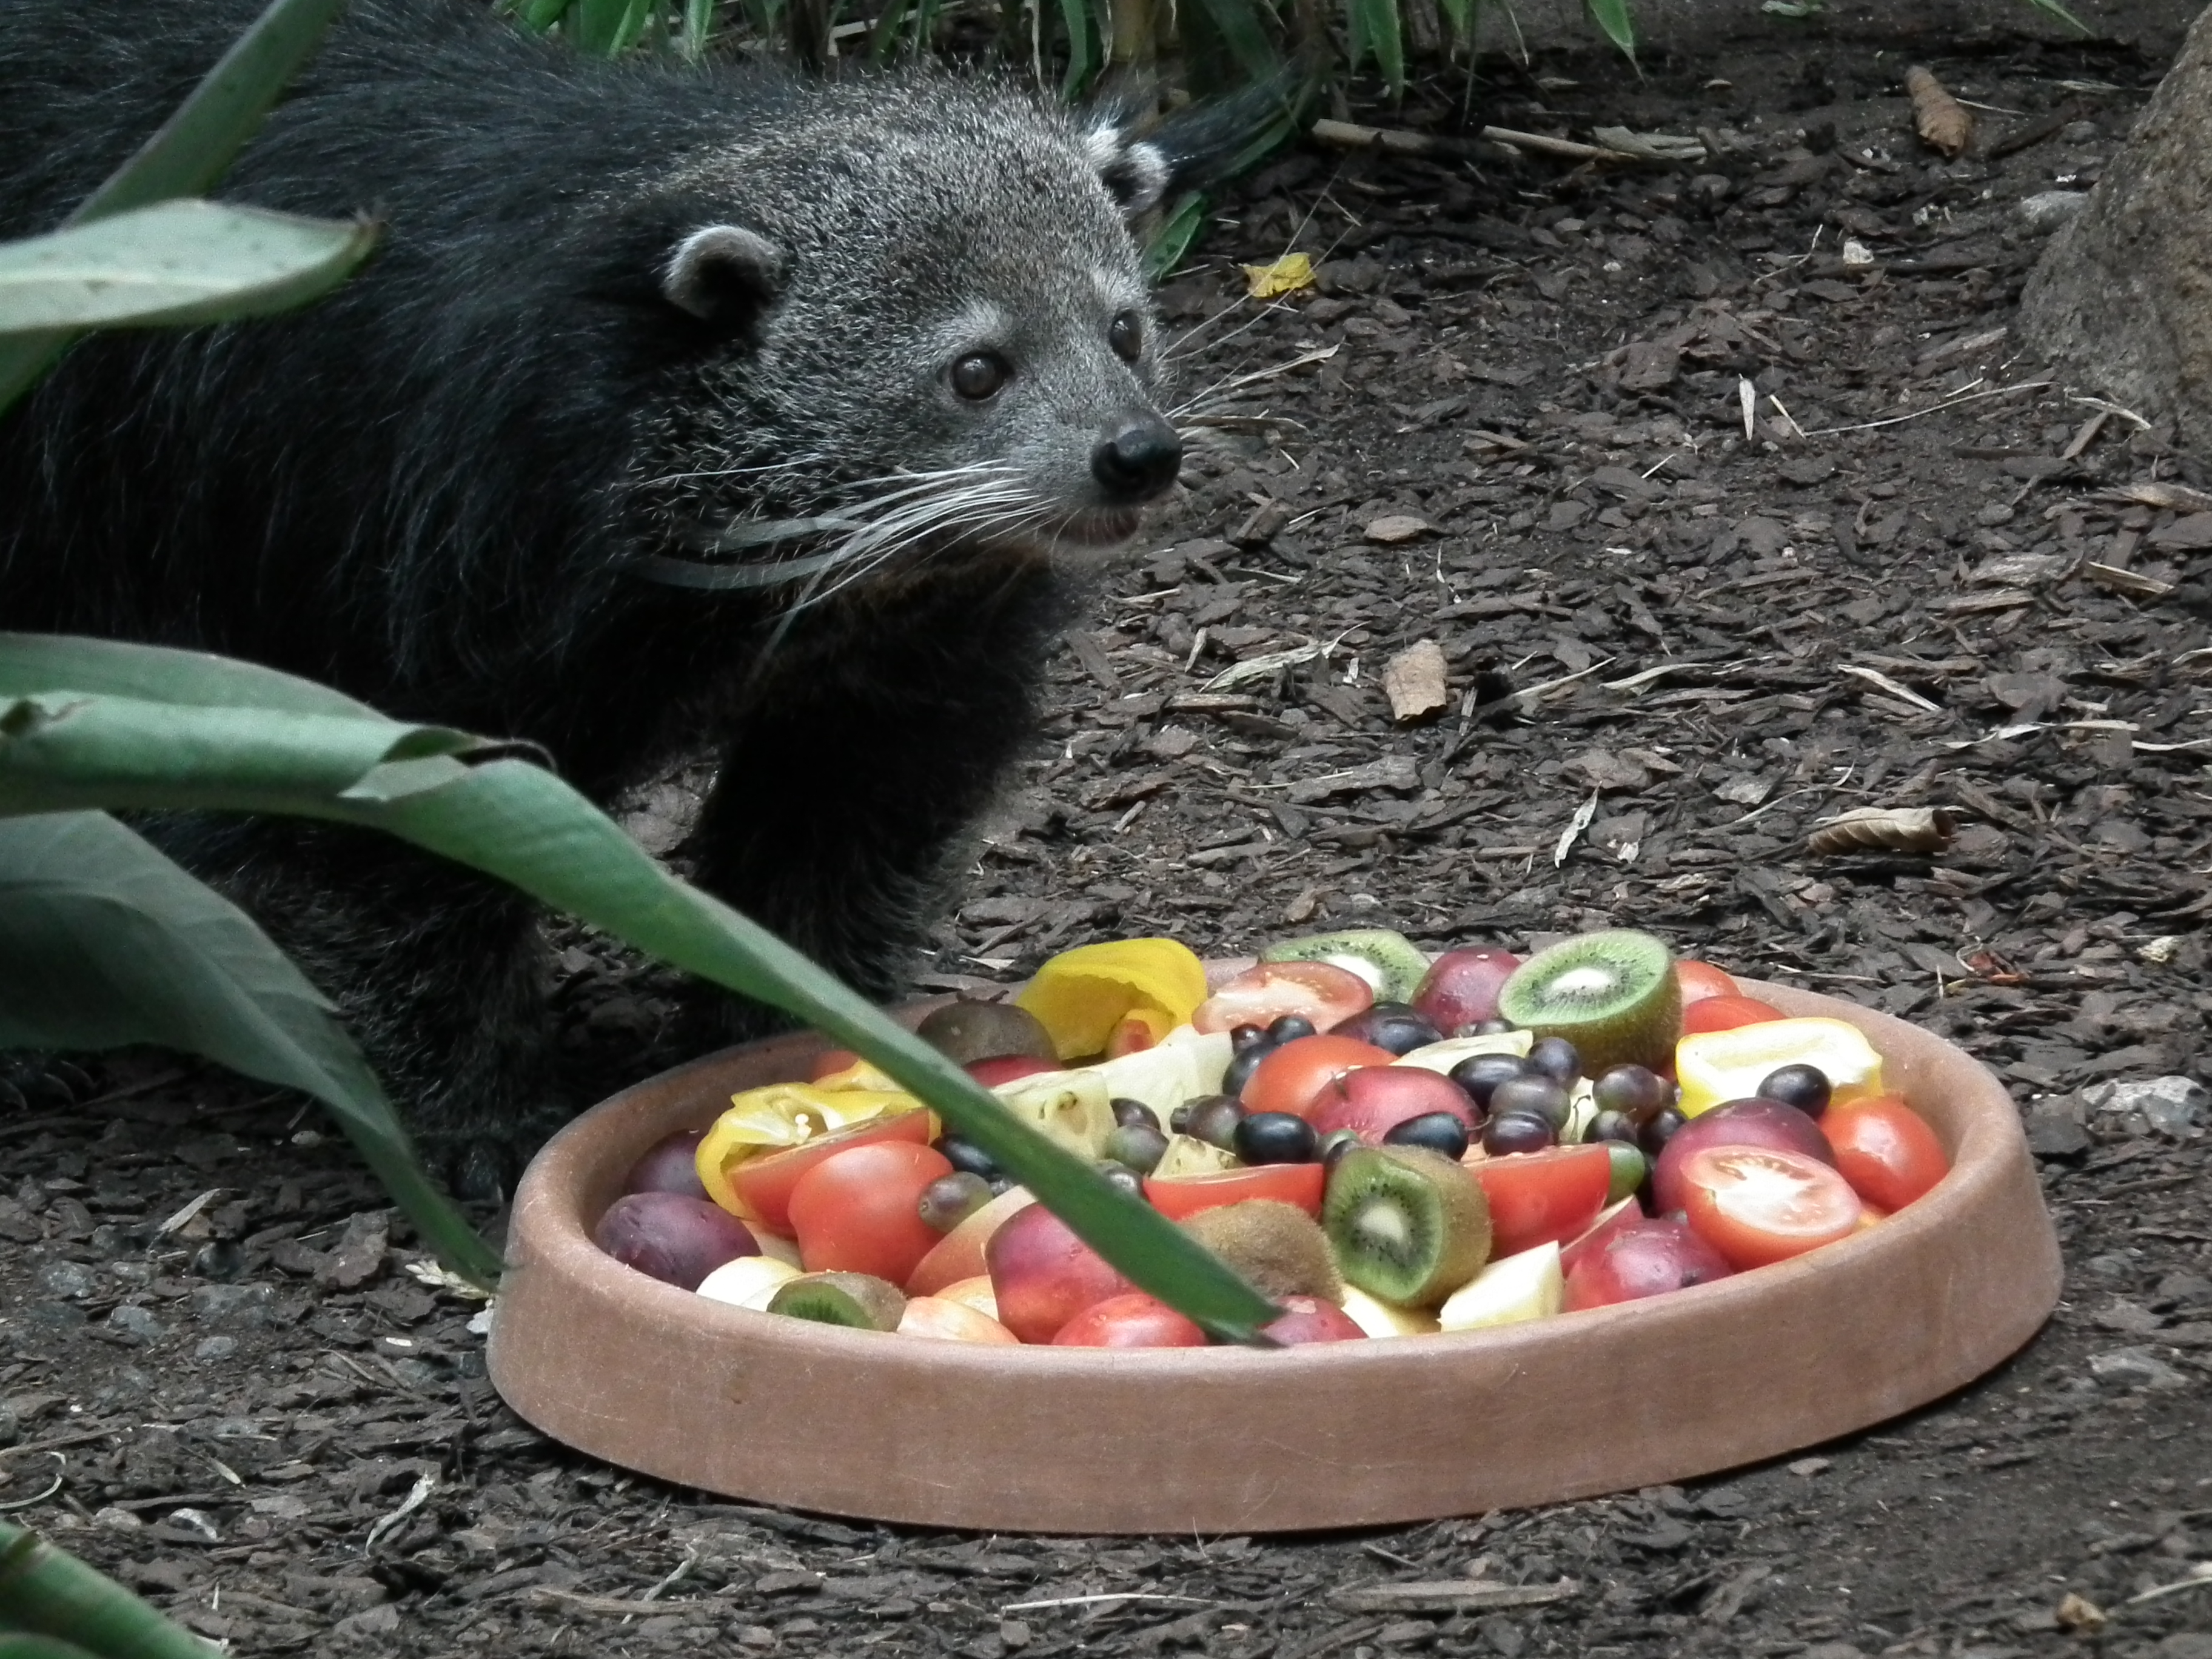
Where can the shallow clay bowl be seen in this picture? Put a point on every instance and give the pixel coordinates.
(1226, 1440)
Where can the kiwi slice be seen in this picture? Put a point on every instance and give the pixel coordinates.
(1409, 1225)
(859, 1300)
(1388, 961)
(1278, 1247)
(964, 1032)
(1612, 994)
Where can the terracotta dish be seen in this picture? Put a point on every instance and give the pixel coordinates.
(1225, 1441)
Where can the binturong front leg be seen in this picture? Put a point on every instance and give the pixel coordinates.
(857, 761)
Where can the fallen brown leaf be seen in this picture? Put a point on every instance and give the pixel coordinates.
(1884, 829)
(1941, 119)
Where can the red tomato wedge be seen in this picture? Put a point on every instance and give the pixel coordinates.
(858, 1210)
(1293, 1077)
(1756, 1204)
(1725, 1012)
(1701, 980)
(765, 1183)
(1538, 1198)
(1301, 1184)
(1885, 1149)
(1319, 991)
(1134, 1321)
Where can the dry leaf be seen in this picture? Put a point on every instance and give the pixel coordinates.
(1398, 527)
(1285, 276)
(2077, 1612)
(1941, 119)
(1885, 829)
(1414, 681)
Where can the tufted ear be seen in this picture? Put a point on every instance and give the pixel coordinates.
(725, 275)
(1135, 172)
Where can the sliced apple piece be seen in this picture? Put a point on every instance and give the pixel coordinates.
(1513, 1288)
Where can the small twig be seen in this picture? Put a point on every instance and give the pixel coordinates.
(1110, 1595)
(1346, 135)
(1937, 409)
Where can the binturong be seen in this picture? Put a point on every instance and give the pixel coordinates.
(684, 409)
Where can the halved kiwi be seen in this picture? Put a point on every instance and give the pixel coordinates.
(861, 1301)
(1612, 994)
(1388, 961)
(1409, 1225)
(1278, 1247)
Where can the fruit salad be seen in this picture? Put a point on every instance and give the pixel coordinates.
(1382, 1143)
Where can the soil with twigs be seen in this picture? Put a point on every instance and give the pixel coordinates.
(1729, 505)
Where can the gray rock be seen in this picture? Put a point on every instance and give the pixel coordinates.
(2048, 210)
(2186, 1644)
(70, 1278)
(2055, 1129)
(215, 1347)
(2171, 1105)
(2136, 1367)
(232, 1304)
(139, 1322)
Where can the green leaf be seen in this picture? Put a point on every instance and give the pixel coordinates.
(193, 149)
(1612, 17)
(40, 1647)
(32, 662)
(539, 15)
(173, 263)
(523, 825)
(1462, 15)
(1373, 28)
(1238, 24)
(2063, 16)
(1176, 233)
(698, 25)
(1082, 51)
(105, 942)
(48, 1592)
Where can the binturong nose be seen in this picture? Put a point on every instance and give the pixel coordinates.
(1139, 460)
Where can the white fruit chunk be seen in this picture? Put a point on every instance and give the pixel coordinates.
(1527, 1285)
(749, 1281)
(1380, 1319)
(1072, 1108)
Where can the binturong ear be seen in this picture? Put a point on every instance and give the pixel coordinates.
(1134, 171)
(723, 274)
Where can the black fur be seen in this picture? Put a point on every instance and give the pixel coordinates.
(428, 492)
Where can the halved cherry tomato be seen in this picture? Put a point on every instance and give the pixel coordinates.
(1319, 991)
(1539, 1198)
(858, 1210)
(1301, 1184)
(1885, 1149)
(1291, 1078)
(762, 1185)
(1757, 1204)
(1725, 1012)
(1701, 980)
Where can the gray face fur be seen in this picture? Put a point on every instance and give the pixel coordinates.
(878, 246)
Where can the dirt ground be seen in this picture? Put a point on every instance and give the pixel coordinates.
(1915, 583)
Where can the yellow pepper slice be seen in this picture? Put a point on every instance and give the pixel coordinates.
(1713, 1067)
(860, 1074)
(1081, 995)
(779, 1116)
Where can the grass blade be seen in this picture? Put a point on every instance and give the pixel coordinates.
(1244, 36)
(45, 1592)
(1175, 236)
(1612, 17)
(1082, 52)
(1373, 28)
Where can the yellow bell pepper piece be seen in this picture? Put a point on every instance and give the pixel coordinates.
(1714, 1066)
(1081, 995)
(779, 1116)
(860, 1074)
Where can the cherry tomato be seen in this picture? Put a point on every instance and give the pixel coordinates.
(1725, 1012)
(1538, 1198)
(1319, 991)
(1885, 1149)
(857, 1210)
(1131, 1320)
(1292, 1078)
(764, 1184)
(1301, 1184)
(1700, 980)
(1759, 1204)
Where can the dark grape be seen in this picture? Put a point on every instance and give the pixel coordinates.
(1613, 1126)
(1483, 1072)
(1214, 1121)
(1805, 1087)
(1135, 1113)
(1517, 1132)
(1492, 1027)
(1122, 1176)
(1654, 1134)
(1440, 1132)
(1274, 1138)
(1289, 1028)
(1241, 1064)
(1242, 1038)
(1390, 1025)
(1336, 1143)
(1139, 1145)
(669, 1165)
(1637, 1092)
(1555, 1057)
(967, 1155)
(1540, 1096)
(951, 1200)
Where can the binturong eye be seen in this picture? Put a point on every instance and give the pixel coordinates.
(979, 377)
(1126, 334)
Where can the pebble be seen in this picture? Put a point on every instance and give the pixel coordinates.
(139, 1322)
(2138, 1366)
(70, 1279)
(237, 1305)
(2052, 208)
(215, 1347)
(2171, 1105)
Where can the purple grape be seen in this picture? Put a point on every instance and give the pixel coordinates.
(671, 1236)
(669, 1165)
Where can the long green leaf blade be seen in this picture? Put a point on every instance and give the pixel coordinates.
(49, 1592)
(1237, 22)
(173, 263)
(105, 942)
(34, 663)
(1614, 17)
(193, 149)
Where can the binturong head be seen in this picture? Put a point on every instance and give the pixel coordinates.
(918, 326)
